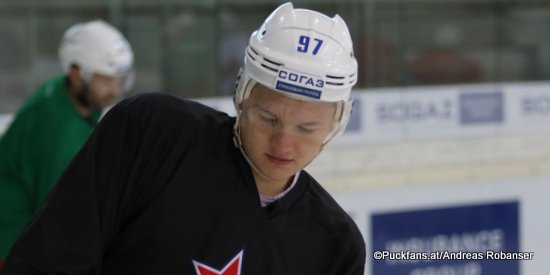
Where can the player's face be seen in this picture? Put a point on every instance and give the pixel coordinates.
(282, 135)
(103, 90)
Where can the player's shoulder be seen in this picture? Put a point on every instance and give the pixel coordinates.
(41, 97)
(151, 100)
(344, 236)
(159, 104)
(160, 100)
(317, 191)
(165, 110)
(327, 209)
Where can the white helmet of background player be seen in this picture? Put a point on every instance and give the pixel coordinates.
(303, 54)
(97, 48)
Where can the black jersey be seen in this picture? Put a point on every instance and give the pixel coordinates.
(160, 188)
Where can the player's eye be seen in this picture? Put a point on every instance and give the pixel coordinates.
(268, 119)
(306, 129)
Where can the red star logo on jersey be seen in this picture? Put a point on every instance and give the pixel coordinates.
(231, 268)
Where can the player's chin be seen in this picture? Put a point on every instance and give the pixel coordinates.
(279, 173)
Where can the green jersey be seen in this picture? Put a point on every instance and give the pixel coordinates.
(45, 134)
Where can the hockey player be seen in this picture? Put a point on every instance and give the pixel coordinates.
(56, 120)
(169, 186)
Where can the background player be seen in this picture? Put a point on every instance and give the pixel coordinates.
(53, 123)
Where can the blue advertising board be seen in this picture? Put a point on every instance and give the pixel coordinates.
(487, 107)
(463, 240)
(354, 123)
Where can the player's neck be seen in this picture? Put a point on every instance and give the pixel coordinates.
(270, 187)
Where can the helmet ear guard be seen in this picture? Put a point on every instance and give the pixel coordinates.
(342, 115)
(243, 87)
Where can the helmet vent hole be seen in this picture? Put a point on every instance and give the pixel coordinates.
(273, 62)
(268, 67)
(251, 57)
(334, 83)
(253, 50)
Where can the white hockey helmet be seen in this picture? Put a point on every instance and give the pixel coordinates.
(303, 54)
(97, 47)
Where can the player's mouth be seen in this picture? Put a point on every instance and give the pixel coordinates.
(278, 160)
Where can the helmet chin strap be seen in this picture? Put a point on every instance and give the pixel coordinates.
(247, 85)
(237, 140)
